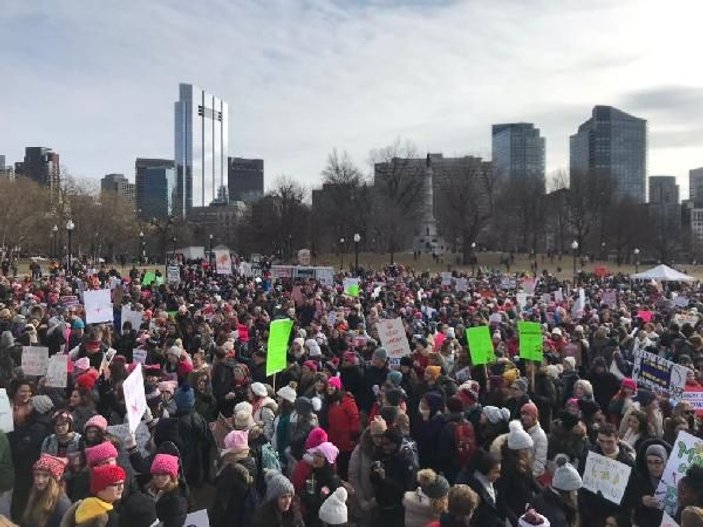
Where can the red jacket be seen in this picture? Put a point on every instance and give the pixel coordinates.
(343, 423)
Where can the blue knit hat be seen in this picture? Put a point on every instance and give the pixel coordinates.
(184, 398)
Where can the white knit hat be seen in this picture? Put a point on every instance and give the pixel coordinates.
(495, 415)
(259, 389)
(518, 439)
(287, 393)
(334, 510)
(566, 477)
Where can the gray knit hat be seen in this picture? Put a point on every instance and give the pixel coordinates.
(657, 451)
(42, 403)
(277, 485)
(380, 354)
(566, 477)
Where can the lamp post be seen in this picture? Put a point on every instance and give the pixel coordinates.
(141, 248)
(357, 239)
(636, 252)
(290, 248)
(209, 250)
(341, 252)
(69, 229)
(473, 258)
(54, 230)
(574, 248)
(602, 251)
(173, 241)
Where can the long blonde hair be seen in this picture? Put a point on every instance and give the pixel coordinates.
(41, 504)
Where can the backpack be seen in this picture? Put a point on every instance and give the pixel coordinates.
(464, 442)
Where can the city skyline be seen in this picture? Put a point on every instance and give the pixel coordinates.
(353, 75)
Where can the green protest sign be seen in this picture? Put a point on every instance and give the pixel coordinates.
(149, 278)
(351, 287)
(277, 347)
(531, 342)
(480, 345)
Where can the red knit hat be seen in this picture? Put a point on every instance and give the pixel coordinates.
(105, 475)
(51, 464)
(165, 464)
(100, 453)
(530, 409)
(628, 383)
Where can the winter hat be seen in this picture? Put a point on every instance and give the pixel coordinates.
(395, 377)
(394, 397)
(98, 454)
(91, 509)
(327, 449)
(65, 416)
(313, 348)
(97, 421)
(511, 375)
(335, 382)
(87, 380)
(521, 383)
(406, 361)
(259, 389)
(51, 464)
(42, 404)
(380, 354)
(378, 426)
(312, 365)
(692, 517)
(277, 485)
(568, 420)
(566, 477)
(532, 518)
(434, 372)
(168, 387)
(450, 333)
(287, 393)
(243, 416)
(496, 415)
(433, 485)
(82, 364)
(174, 351)
(165, 464)
(334, 509)
(629, 384)
(184, 398)
(571, 361)
(105, 475)
(138, 511)
(588, 408)
(657, 451)
(184, 368)
(645, 397)
(518, 439)
(393, 435)
(315, 438)
(237, 440)
(530, 409)
(303, 405)
(455, 405)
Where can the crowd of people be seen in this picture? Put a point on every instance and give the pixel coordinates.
(344, 435)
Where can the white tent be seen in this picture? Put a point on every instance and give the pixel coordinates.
(663, 273)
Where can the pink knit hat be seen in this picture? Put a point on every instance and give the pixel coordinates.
(328, 450)
(629, 384)
(335, 382)
(237, 440)
(165, 464)
(98, 454)
(82, 364)
(98, 421)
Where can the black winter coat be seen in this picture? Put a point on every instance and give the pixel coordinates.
(487, 513)
(551, 505)
(232, 485)
(172, 509)
(268, 515)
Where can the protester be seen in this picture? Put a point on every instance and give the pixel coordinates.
(47, 501)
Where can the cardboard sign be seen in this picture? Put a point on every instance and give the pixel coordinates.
(446, 278)
(658, 374)
(393, 337)
(687, 450)
(69, 301)
(462, 285)
(6, 422)
(35, 360)
(134, 397)
(277, 346)
(480, 345)
(57, 371)
(98, 306)
(681, 301)
(223, 261)
(521, 299)
(132, 316)
(531, 341)
(139, 355)
(645, 316)
(197, 519)
(607, 476)
(173, 274)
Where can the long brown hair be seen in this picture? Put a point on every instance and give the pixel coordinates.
(41, 504)
(170, 486)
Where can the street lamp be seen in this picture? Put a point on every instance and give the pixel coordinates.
(141, 248)
(209, 259)
(69, 229)
(357, 239)
(341, 251)
(574, 248)
(636, 252)
(290, 248)
(602, 250)
(473, 258)
(173, 241)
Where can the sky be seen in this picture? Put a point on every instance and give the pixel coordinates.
(97, 81)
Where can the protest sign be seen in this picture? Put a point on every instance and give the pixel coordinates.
(531, 342)
(480, 345)
(6, 423)
(393, 338)
(131, 316)
(606, 476)
(686, 318)
(277, 347)
(331, 318)
(149, 278)
(35, 360)
(546, 298)
(668, 521)
(325, 275)
(69, 301)
(461, 284)
(139, 355)
(351, 286)
(98, 306)
(610, 298)
(245, 269)
(681, 301)
(528, 284)
(521, 299)
(558, 296)
(57, 371)
(446, 278)
(134, 397)
(223, 261)
(197, 519)
(687, 450)
(656, 373)
(173, 274)
(508, 283)
(495, 318)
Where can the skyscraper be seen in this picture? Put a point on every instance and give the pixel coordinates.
(614, 142)
(245, 179)
(120, 185)
(664, 200)
(518, 151)
(695, 186)
(41, 165)
(201, 148)
(155, 182)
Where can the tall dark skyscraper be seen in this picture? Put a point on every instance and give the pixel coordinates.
(518, 151)
(245, 179)
(614, 142)
(120, 185)
(155, 183)
(41, 165)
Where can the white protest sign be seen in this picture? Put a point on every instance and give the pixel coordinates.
(223, 261)
(35, 360)
(668, 521)
(197, 519)
(173, 274)
(521, 299)
(462, 284)
(495, 318)
(134, 397)
(98, 306)
(508, 283)
(393, 338)
(681, 301)
(610, 298)
(57, 371)
(446, 278)
(331, 318)
(245, 269)
(6, 423)
(325, 275)
(133, 317)
(558, 296)
(607, 476)
(528, 284)
(139, 355)
(687, 451)
(686, 318)
(546, 298)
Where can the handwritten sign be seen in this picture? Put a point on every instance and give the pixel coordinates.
(461, 285)
(393, 338)
(139, 355)
(495, 318)
(446, 278)
(508, 283)
(197, 519)
(531, 342)
(223, 261)
(668, 521)
(521, 299)
(657, 373)
(351, 286)
(6, 423)
(607, 476)
(173, 274)
(681, 301)
(131, 316)
(687, 451)
(35, 360)
(610, 298)
(686, 318)
(57, 371)
(98, 306)
(558, 296)
(134, 397)
(480, 345)
(528, 284)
